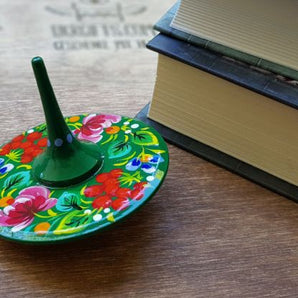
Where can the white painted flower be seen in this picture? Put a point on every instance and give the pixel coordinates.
(97, 217)
(150, 178)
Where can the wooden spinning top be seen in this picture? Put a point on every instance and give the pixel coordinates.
(76, 175)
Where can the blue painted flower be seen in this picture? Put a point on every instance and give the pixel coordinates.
(4, 168)
(147, 163)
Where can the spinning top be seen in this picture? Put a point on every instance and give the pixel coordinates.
(76, 175)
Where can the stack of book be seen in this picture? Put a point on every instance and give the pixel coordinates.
(226, 86)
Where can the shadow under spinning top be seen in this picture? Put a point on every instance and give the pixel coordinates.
(76, 175)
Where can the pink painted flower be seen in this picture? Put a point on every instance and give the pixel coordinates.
(21, 213)
(93, 126)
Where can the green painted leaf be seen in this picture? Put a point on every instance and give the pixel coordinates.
(145, 138)
(157, 151)
(73, 222)
(67, 202)
(119, 149)
(159, 174)
(17, 180)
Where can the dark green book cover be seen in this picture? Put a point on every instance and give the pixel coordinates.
(164, 26)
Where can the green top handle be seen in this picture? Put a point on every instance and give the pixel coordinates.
(66, 160)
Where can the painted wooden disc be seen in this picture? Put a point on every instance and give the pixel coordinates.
(135, 164)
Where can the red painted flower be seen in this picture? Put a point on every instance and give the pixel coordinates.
(116, 173)
(109, 193)
(24, 150)
(5, 149)
(93, 126)
(14, 144)
(138, 191)
(21, 212)
(103, 177)
(93, 191)
(33, 136)
(104, 201)
(19, 138)
(111, 186)
(42, 142)
(30, 152)
(123, 193)
(137, 195)
(120, 204)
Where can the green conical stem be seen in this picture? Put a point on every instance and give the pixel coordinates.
(56, 126)
(66, 160)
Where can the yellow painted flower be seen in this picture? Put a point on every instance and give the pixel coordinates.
(112, 130)
(42, 228)
(74, 119)
(146, 157)
(6, 201)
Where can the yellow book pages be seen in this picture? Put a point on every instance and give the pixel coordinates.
(263, 28)
(228, 117)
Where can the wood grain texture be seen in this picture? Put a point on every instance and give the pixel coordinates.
(207, 233)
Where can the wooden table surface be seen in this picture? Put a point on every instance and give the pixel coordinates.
(207, 233)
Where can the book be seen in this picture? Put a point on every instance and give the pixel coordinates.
(245, 118)
(277, 48)
(221, 159)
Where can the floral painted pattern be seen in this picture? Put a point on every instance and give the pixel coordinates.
(135, 163)
(22, 149)
(29, 202)
(93, 126)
